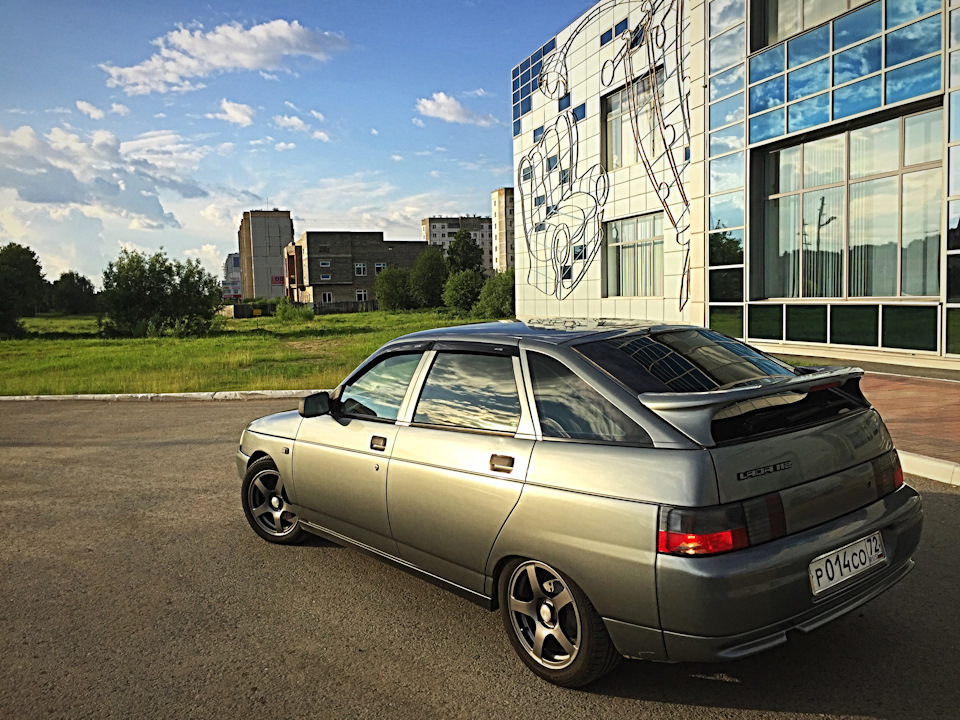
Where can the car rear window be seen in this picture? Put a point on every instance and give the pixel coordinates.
(682, 360)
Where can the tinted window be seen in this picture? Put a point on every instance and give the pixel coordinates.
(477, 392)
(379, 391)
(569, 408)
(683, 360)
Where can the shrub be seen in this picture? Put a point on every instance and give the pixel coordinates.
(497, 297)
(462, 290)
(287, 312)
(392, 289)
(427, 277)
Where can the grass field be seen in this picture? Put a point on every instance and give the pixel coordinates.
(63, 355)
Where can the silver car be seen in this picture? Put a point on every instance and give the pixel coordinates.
(649, 491)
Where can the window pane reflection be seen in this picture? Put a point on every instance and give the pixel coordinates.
(808, 80)
(913, 41)
(470, 391)
(726, 173)
(856, 62)
(857, 26)
(808, 113)
(856, 98)
(921, 233)
(726, 82)
(766, 64)
(724, 13)
(726, 140)
(823, 161)
(901, 11)
(823, 220)
(726, 285)
(953, 226)
(816, 11)
(781, 247)
(875, 149)
(954, 116)
(764, 127)
(923, 138)
(873, 237)
(766, 95)
(912, 80)
(726, 211)
(782, 171)
(782, 19)
(808, 47)
(726, 111)
(726, 248)
(727, 49)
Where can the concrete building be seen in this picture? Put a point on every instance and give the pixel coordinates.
(230, 284)
(263, 235)
(782, 171)
(340, 266)
(440, 231)
(501, 203)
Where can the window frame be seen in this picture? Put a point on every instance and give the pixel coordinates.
(371, 363)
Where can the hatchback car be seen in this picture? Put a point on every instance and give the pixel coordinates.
(641, 490)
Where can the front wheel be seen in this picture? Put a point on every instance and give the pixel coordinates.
(266, 505)
(552, 625)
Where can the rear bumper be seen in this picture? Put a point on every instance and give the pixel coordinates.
(738, 604)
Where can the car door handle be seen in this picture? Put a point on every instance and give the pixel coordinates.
(378, 443)
(501, 463)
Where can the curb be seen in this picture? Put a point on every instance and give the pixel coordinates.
(941, 470)
(168, 397)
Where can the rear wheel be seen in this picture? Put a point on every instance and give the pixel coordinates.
(552, 625)
(266, 505)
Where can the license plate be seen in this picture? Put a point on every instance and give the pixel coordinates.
(835, 567)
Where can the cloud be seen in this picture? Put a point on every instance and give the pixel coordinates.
(58, 111)
(118, 109)
(435, 173)
(290, 122)
(479, 92)
(317, 115)
(236, 113)
(321, 135)
(373, 131)
(291, 105)
(186, 55)
(89, 109)
(418, 122)
(219, 215)
(209, 255)
(280, 147)
(450, 110)
(160, 115)
(396, 158)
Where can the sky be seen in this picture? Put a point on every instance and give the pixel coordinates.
(148, 125)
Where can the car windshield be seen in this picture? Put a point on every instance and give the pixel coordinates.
(682, 360)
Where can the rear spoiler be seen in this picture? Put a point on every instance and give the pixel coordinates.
(693, 413)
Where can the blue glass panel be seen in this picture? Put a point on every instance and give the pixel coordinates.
(809, 46)
(606, 37)
(856, 26)
(535, 70)
(537, 133)
(525, 65)
(955, 28)
(726, 173)
(579, 112)
(766, 95)
(536, 56)
(808, 113)
(764, 127)
(856, 62)
(564, 102)
(516, 112)
(621, 27)
(856, 98)
(550, 46)
(901, 11)
(516, 97)
(525, 106)
(535, 83)
(808, 80)
(525, 77)
(766, 64)
(726, 82)
(516, 128)
(728, 139)
(955, 116)
(727, 49)
(726, 111)
(912, 80)
(516, 83)
(724, 13)
(912, 41)
(726, 211)
(516, 72)
(525, 91)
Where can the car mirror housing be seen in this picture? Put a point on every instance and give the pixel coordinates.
(315, 405)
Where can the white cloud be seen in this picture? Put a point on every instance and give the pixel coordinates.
(435, 173)
(479, 92)
(60, 111)
(185, 55)
(89, 109)
(225, 148)
(160, 115)
(450, 110)
(118, 109)
(219, 215)
(280, 147)
(209, 255)
(396, 158)
(317, 115)
(373, 131)
(17, 111)
(290, 122)
(264, 75)
(291, 105)
(321, 135)
(236, 113)
(418, 122)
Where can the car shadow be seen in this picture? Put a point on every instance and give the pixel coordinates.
(895, 657)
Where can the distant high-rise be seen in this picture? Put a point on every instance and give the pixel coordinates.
(502, 213)
(263, 235)
(440, 231)
(230, 284)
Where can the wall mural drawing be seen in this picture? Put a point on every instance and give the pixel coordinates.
(562, 206)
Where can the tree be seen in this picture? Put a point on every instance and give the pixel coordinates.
(464, 253)
(21, 287)
(73, 294)
(153, 295)
(427, 277)
(392, 288)
(462, 290)
(497, 296)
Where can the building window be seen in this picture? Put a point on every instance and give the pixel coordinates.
(325, 276)
(621, 148)
(854, 215)
(361, 295)
(360, 269)
(326, 297)
(379, 267)
(775, 20)
(563, 103)
(537, 133)
(633, 256)
(324, 263)
(579, 112)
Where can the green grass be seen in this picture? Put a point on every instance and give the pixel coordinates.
(63, 355)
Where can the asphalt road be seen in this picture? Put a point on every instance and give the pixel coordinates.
(132, 587)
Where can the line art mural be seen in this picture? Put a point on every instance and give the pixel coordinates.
(562, 205)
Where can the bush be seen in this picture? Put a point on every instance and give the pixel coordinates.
(497, 297)
(22, 287)
(392, 289)
(464, 253)
(73, 294)
(153, 296)
(287, 312)
(427, 277)
(462, 290)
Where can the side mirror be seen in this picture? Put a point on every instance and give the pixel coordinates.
(315, 405)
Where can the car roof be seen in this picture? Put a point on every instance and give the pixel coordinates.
(557, 331)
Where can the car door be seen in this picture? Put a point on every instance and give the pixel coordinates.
(458, 467)
(340, 460)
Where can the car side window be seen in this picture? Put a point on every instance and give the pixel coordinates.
(569, 408)
(474, 392)
(379, 392)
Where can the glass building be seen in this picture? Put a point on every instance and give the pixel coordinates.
(784, 171)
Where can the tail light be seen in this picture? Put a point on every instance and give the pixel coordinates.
(722, 528)
(888, 473)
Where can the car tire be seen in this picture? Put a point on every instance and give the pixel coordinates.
(552, 625)
(266, 505)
